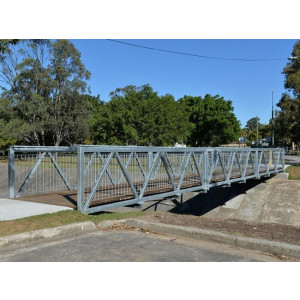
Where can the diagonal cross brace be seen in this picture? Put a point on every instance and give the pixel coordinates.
(107, 171)
(238, 162)
(230, 165)
(246, 164)
(126, 174)
(277, 161)
(222, 164)
(213, 166)
(184, 170)
(197, 167)
(169, 162)
(31, 173)
(59, 171)
(260, 160)
(139, 164)
(102, 172)
(126, 165)
(163, 159)
(89, 162)
(143, 189)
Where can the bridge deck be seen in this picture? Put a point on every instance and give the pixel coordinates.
(69, 198)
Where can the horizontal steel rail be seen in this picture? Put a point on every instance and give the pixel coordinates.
(110, 176)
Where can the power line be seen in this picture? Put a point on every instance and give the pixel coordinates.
(190, 54)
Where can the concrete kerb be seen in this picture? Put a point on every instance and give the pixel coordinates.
(51, 234)
(271, 247)
(45, 235)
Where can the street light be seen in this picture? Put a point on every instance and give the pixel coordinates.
(273, 140)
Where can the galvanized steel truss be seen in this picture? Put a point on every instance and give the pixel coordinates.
(112, 176)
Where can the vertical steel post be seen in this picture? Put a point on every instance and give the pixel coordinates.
(205, 169)
(283, 159)
(256, 168)
(80, 178)
(150, 160)
(11, 173)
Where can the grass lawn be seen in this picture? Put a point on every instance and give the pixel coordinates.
(57, 219)
(294, 172)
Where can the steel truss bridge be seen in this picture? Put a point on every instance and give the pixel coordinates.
(105, 177)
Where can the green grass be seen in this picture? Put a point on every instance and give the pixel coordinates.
(57, 219)
(294, 172)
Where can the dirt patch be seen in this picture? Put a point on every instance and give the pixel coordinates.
(266, 231)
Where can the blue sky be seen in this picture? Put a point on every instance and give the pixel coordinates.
(247, 84)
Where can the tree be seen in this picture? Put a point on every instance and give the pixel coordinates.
(45, 82)
(139, 116)
(68, 110)
(96, 120)
(4, 45)
(253, 123)
(292, 72)
(265, 130)
(287, 121)
(212, 121)
(30, 91)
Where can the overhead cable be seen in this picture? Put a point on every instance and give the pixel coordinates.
(195, 55)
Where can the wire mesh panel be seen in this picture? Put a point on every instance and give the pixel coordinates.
(44, 172)
(105, 179)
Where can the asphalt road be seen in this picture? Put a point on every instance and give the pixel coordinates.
(132, 246)
(292, 160)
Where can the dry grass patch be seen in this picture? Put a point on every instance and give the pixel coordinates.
(57, 219)
(294, 172)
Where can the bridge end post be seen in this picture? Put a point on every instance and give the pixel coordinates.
(11, 173)
(283, 160)
(80, 178)
(205, 171)
(256, 165)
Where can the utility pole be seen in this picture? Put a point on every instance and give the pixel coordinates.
(273, 141)
(256, 128)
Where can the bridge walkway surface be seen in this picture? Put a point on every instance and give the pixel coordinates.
(97, 178)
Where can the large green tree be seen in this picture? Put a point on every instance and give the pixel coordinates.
(292, 71)
(287, 122)
(212, 120)
(68, 110)
(45, 82)
(139, 116)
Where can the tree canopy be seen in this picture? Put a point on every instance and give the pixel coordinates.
(212, 121)
(139, 116)
(45, 92)
(45, 100)
(287, 121)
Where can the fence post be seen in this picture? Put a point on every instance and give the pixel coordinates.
(283, 159)
(11, 173)
(150, 159)
(256, 165)
(80, 178)
(205, 170)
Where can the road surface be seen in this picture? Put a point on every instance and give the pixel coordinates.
(132, 246)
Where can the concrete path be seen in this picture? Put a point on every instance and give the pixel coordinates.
(275, 201)
(16, 209)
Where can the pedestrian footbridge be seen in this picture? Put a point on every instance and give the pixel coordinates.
(97, 178)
